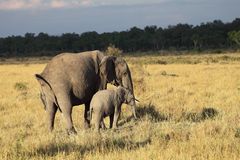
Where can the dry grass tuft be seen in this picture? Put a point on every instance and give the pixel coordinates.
(21, 86)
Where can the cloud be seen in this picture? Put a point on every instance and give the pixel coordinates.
(42, 4)
(48, 4)
(11, 5)
(58, 4)
(86, 3)
(19, 4)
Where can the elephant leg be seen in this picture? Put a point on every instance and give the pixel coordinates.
(86, 117)
(97, 123)
(116, 117)
(111, 120)
(51, 109)
(66, 108)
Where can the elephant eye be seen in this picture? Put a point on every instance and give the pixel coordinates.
(125, 73)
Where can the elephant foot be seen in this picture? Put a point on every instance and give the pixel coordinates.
(86, 125)
(50, 129)
(71, 131)
(97, 131)
(115, 128)
(102, 125)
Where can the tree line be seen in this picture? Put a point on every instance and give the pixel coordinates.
(210, 35)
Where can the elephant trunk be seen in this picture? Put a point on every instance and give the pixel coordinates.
(134, 105)
(134, 111)
(127, 83)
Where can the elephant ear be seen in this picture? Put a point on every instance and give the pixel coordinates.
(107, 70)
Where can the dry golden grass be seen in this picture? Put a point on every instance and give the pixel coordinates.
(187, 111)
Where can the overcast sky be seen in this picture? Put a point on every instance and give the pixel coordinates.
(61, 16)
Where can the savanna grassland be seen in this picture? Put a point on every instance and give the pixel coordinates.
(189, 109)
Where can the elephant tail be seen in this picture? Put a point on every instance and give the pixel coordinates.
(43, 81)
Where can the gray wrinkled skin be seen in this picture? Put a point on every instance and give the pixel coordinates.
(108, 103)
(71, 79)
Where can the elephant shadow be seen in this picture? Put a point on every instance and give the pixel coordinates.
(51, 150)
(146, 111)
(151, 112)
(206, 113)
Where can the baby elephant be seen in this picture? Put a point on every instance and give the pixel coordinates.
(108, 103)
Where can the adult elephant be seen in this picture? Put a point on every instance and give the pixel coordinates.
(72, 79)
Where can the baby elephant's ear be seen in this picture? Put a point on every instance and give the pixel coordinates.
(121, 92)
(127, 95)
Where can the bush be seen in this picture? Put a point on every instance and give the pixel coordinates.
(237, 134)
(21, 86)
(113, 51)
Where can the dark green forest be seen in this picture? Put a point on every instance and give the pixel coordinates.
(210, 35)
